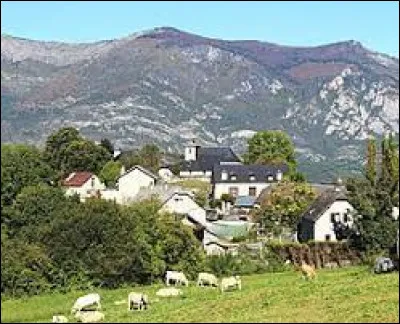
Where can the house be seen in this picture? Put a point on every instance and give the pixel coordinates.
(317, 222)
(218, 236)
(165, 173)
(175, 200)
(129, 183)
(199, 161)
(85, 184)
(244, 180)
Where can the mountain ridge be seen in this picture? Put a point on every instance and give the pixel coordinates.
(165, 86)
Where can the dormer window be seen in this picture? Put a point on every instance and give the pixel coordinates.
(252, 177)
(233, 177)
(224, 175)
(279, 175)
(270, 178)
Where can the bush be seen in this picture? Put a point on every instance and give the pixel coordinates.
(245, 263)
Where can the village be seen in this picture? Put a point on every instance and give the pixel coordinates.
(240, 188)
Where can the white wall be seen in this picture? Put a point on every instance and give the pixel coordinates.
(165, 174)
(323, 226)
(190, 153)
(182, 204)
(111, 194)
(198, 175)
(130, 183)
(223, 188)
(87, 189)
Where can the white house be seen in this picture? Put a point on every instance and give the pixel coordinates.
(174, 199)
(183, 203)
(85, 184)
(317, 222)
(244, 180)
(199, 161)
(130, 182)
(165, 173)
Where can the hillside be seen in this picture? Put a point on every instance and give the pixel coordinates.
(165, 86)
(337, 296)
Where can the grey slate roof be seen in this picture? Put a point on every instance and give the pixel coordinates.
(243, 172)
(149, 173)
(208, 156)
(162, 192)
(322, 203)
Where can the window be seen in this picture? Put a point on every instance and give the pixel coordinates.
(252, 191)
(233, 177)
(327, 237)
(224, 175)
(345, 218)
(252, 177)
(92, 182)
(270, 178)
(233, 191)
(333, 218)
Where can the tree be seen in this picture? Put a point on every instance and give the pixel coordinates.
(106, 143)
(374, 227)
(57, 142)
(370, 169)
(21, 166)
(35, 207)
(271, 147)
(84, 155)
(110, 172)
(151, 157)
(282, 207)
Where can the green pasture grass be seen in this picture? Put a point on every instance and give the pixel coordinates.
(352, 294)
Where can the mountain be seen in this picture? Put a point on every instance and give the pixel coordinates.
(166, 86)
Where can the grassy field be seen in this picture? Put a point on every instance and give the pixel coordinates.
(342, 295)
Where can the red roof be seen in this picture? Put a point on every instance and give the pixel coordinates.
(77, 179)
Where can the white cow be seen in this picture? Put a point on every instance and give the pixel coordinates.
(89, 316)
(59, 319)
(177, 277)
(86, 301)
(231, 282)
(207, 278)
(137, 301)
(168, 292)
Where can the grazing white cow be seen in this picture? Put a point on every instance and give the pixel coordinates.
(168, 292)
(177, 277)
(207, 278)
(137, 301)
(89, 316)
(86, 301)
(59, 319)
(231, 282)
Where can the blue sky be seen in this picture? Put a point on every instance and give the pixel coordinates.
(302, 23)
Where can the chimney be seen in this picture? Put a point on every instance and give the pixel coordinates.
(338, 184)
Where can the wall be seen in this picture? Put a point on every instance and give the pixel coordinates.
(323, 225)
(223, 188)
(130, 184)
(165, 174)
(86, 190)
(183, 204)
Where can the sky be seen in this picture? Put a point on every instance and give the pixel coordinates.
(297, 23)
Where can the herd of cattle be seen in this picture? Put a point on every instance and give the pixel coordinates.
(140, 301)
